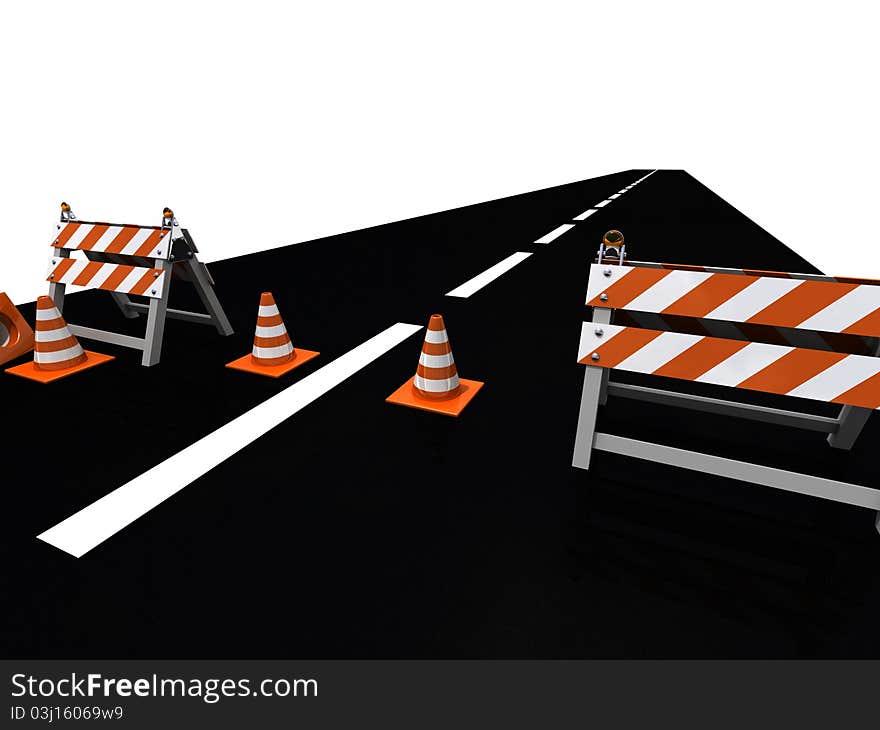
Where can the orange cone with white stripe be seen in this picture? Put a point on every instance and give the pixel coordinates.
(436, 386)
(57, 353)
(273, 353)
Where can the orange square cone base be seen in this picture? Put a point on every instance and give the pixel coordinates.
(28, 370)
(247, 365)
(406, 395)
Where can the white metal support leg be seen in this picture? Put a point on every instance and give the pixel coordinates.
(592, 396)
(156, 320)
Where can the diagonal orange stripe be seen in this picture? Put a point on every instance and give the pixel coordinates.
(85, 276)
(624, 344)
(65, 233)
(801, 303)
(867, 326)
(790, 370)
(865, 395)
(117, 277)
(122, 239)
(62, 268)
(147, 246)
(92, 237)
(624, 290)
(700, 357)
(145, 282)
(709, 295)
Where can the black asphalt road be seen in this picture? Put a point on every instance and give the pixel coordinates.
(360, 529)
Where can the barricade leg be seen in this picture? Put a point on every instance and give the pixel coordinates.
(850, 423)
(156, 322)
(56, 290)
(204, 287)
(592, 396)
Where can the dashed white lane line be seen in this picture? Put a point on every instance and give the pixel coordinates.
(92, 525)
(602, 204)
(583, 216)
(488, 276)
(555, 233)
(614, 197)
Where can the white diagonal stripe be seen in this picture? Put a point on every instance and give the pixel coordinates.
(599, 282)
(756, 296)
(590, 340)
(583, 216)
(744, 363)
(669, 289)
(105, 240)
(101, 275)
(847, 310)
(838, 378)
(614, 197)
(77, 238)
(658, 352)
(129, 282)
(602, 204)
(137, 241)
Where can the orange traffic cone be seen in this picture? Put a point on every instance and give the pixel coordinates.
(436, 386)
(57, 353)
(273, 353)
(16, 335)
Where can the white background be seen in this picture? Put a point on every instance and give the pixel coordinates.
(263, 124)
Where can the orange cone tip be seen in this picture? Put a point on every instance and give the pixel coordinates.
(273, 353)
(436, 386)
(57, 353)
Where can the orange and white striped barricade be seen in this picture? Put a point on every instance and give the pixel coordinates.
(132, 261)
(657, 298)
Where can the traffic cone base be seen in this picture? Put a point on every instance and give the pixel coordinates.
(29, 369)
(247, 364)
(407, 395)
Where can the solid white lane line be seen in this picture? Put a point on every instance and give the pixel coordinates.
(555, 233)
(488, 276)
(602, 204)
(92, 525)
(583, 216)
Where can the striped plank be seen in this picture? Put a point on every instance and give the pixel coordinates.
(108, 276)
(825, 306)
(149, 241)
(747, 272)
(831, 377)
